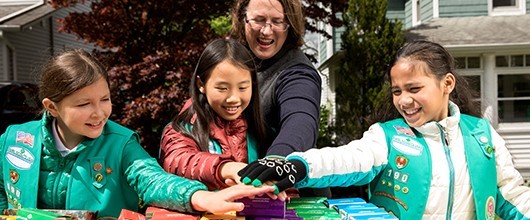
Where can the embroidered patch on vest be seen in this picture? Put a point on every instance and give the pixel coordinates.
(490, 208)
(19, 157)
(404, 130)
(13, 191)
(13, 175)
(401, 162)
(399, 176)
(25, 138)
(406, 145)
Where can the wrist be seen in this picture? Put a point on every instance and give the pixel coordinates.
(275, 157)
(198, 198)
(301, 169)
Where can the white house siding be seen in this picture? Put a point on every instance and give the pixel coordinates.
(37, 42)
(459, 8)
(408, 15)
(518, 141)
(426, 11)
(31, 50)
(64, 41)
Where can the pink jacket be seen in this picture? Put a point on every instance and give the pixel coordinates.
(182, 156)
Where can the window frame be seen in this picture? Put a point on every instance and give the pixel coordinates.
(518, 9)
(509, 70)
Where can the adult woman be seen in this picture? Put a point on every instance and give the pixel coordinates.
(290, 87)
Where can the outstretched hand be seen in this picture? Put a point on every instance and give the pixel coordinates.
(223, 201)
(285, 172)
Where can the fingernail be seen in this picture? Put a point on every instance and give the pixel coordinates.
(256, 183)
(246, 180)
(276, 190)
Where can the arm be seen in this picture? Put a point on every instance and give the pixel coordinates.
(159, 188)
(356, 163)
(297, 93)
(223, 200)
(182, 156)
(154, 185)
(513, 198)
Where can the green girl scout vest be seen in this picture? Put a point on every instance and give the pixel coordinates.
(96, 174)
(403, 186)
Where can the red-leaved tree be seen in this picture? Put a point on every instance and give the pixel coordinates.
(150, 48)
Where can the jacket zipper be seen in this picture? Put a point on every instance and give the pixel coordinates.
(445, 144)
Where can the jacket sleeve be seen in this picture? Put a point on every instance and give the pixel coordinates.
(182, 156)
(298, 92)
(356, 163)
(154, 185)
(3, 196)
(513, 197)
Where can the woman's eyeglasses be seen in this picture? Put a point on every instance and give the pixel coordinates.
(259, 25)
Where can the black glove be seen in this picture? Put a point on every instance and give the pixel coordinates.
(286, 172)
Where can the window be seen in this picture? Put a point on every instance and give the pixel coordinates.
(471, 68)
(506, 7)
(503, 3)
(514, 97)
(468, 63)
(520, 60)
(474, 83)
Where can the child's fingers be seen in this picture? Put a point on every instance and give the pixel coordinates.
(284, 184)
(266, 175)
(250, 172)
(282, 196)
(227, 207)
(230, 182)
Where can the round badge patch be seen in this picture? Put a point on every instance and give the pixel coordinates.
(13, 175)
(490, 208)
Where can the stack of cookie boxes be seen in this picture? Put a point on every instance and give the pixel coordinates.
(357, 209)
(312, 208)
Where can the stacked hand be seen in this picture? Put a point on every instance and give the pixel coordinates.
(285, 172)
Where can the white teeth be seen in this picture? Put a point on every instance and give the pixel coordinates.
(410, 112)
(231, 108)
(95, 124)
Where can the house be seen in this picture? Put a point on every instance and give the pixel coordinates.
(490, 41)
(28, 37)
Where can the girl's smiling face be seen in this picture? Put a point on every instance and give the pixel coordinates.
(417, 94)
(83, 113)
(228, 90)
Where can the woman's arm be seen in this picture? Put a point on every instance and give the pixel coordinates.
(297, 92)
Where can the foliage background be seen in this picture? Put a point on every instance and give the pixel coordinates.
(368, 45)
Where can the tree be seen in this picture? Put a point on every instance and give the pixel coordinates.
(368, 43)
(150, 48)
